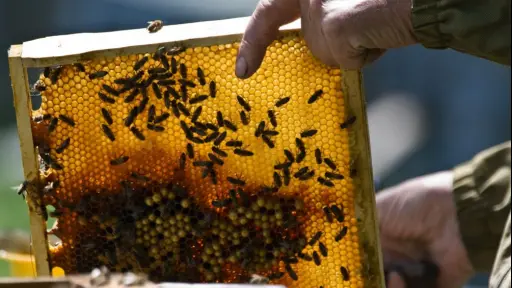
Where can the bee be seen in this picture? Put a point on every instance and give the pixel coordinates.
(183, 109)
(328, 214)
(119, 160)
(308, 175)
(174, 93)
(108, 132)
(185, 129)
(215, 159)
(244, 118)
(67, 120)
(55, 74)
(131, 96)
(202, 163)
(156, 90)
(63, 146)
(53, 124)
(139, 177)
(140, 63)
(323, 249)
(272, 117)
(242, 152)
(234, 143)
(315, 238)
(324, 182)
(165, 62)
(301, 172)
(196, 114)
(260, 129)
(183, 70)
(344, 273)
(174, 65)
(300, 144)
(282, 166)
(131, 116)
(167, 99)
(211, 127)
(219, 152)
(277, 180)
(198, 131)
(318, 156)
(39, 86)
(291, 273)
(151, 113)
(175, 51)
(142, 105)
(97, 74)
(243, 103)
(308, 133)
(106, 99)
(330, 163)
(276, 275)
(163, 77)
(270, 133)
(332, 175)
(316, 258)
(236, 181)
(183, 160)
(286, 176)
(157, 70)
(304, 257)
(300, 156)
(174, 109)
(341, 234)
(47, 71)
(211, 137)
(268, 141)
(282, 101)
(221, 138)
(155, 26)
(220, 119)
(338, 213)
(187, 83)
(315, 96)
(156, 128)
(289, 155)
(167, 82)
(110, 90)
(162, 118)
(229, 125)
(22, 189)
(197, 99)
(137, 133)
(348, 122)
(213, 89)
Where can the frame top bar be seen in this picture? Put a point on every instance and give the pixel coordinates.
(67, 49)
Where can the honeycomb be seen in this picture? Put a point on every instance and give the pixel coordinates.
(166, 163)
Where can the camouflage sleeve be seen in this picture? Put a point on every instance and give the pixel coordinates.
(482, 196)
(478, 27)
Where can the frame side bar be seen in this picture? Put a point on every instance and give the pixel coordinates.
(23, 107)
(68, 49)
(360, 157)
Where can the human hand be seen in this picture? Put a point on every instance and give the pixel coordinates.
(418, 221)
(347, 33)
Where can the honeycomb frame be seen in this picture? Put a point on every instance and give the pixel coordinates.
(68, 49)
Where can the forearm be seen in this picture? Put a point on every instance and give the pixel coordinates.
(482, 196)
(476, 27)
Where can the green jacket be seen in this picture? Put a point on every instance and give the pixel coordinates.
(482, 185)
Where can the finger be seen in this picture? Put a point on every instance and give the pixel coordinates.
(261, 31)
(312, 17)
(395, 281)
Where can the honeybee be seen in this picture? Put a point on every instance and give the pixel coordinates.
(155, 26)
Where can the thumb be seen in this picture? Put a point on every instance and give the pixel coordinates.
(261, 31)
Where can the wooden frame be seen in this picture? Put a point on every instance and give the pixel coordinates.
(68, 49)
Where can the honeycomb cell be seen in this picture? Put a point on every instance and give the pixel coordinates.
(208, 196)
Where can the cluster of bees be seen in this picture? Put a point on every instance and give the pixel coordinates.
(160, 229)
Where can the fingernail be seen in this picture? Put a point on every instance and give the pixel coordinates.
(241, 67)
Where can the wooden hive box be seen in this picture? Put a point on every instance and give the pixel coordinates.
(170, 188)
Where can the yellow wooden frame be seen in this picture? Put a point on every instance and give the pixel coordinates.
(68, 49)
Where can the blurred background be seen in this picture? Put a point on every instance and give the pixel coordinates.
(428, 110)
